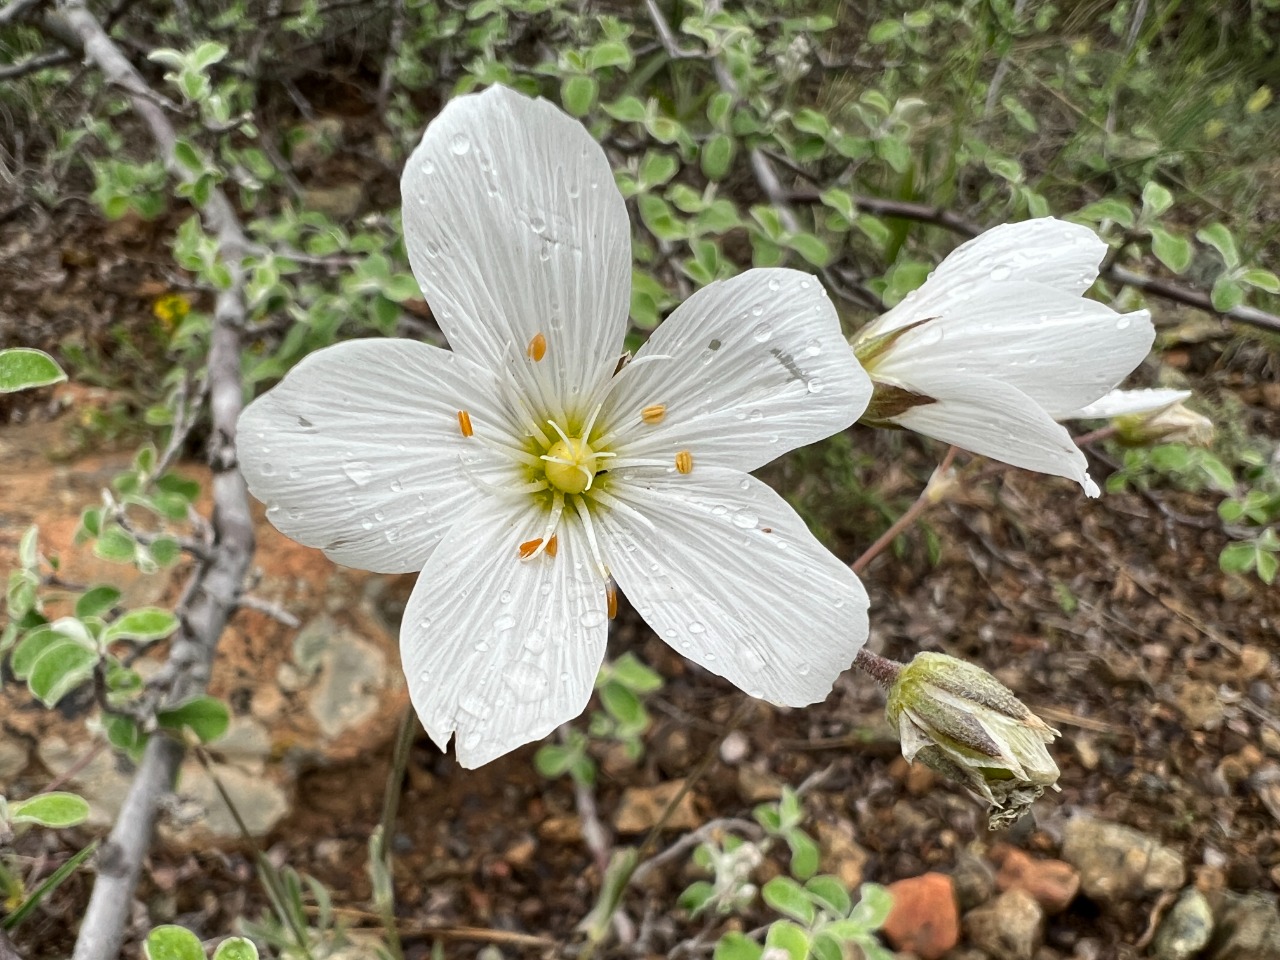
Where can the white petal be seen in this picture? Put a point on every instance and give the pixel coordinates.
(1120, 403)
(996, 420)
(756, 366)
(498, 649)
(514, 227)
(358, 450)
(731, 577)
(1052, 252)
(1061, 350)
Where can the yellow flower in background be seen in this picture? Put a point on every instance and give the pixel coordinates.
(171, 309)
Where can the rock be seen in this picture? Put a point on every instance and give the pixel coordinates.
(1053, 883)
(1248, 928)
(1200, 704)
(1010, 927)
(341, 202)
(756, 784)
(350, 674)
(842, 855)
(561, 829)
(1118, 862)
(974, 881)
(1185, 929)
(735, 747)
(14, 756)
(924, 918)
(641, 807)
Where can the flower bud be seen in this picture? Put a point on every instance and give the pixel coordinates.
(1173, 424)
(959, 720)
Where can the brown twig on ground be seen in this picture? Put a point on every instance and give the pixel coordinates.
(1155, 286)
(928, 496)
(213, 591)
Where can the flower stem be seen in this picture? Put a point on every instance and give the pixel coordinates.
(1093, 436)
(881, 669)
(928, 497)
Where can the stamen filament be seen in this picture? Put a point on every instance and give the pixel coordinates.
(580, 504)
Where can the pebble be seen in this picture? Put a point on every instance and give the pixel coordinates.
(1117, 862)
(1053, 883)
(1200, 705)
(1185, 929)
(1248, 928)
(925, 919)
(1010, 927)
(842, 855)
(757, 785)
(642, 807)
(735, 747)
(974, 881)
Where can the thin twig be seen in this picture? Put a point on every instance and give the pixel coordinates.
(41, 61)
(928, 496)
(594, 833)
(7, 950)
(215, 584)
(273, 610)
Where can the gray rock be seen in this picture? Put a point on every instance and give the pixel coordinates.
(1010, 927)
(1118, 862)
(974, 881)
(14, 755)
(1185, 929)
(199, 809)
(1248, 928)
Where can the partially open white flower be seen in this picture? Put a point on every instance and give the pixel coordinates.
(1126, 403)
(522, 477)
(1144, 417)
(1000, 343)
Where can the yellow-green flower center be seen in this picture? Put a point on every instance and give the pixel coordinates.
(571, 465)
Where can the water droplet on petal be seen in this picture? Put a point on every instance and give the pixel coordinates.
(527, 681)
(358, 472)
(460, 144)
(762, 332)
(745, 519)
(593, 618)
(1000, 273)
(697, 627)
(815, 385)
(504, 622)
(1123, 323)
(268, 469)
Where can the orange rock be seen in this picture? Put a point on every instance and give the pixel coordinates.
(925, 919)
(1053, 883)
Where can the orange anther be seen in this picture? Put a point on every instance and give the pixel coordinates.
(654, 413)
(537, 347)
(612, 594)
(528, 548)
(552, 546)
(684, 462)
(464, 423)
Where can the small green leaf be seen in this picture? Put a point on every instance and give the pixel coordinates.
(1267, 565)
(97, 601)
(830, 893)
(60, 669)
(657, 168)
(737, 946)
(22, 368)
(629, 671)
(787, 937)
(610, 53)
(1170, 249)
(717, 155)
(578, 94)
(1220, 238)
(145, 623)
(1108, 209)
(206, 717)
(873, 906)
(627, 110)
(884, 31)
(172, 942)
(623, 706)
(696, 896)
(788, 897)
(50, 810)
(1262, 279)
(811, 121)
(1226, 294)
(115, 545)
(1156, 199)
(811, 248)
(805, 855)
(236, 948)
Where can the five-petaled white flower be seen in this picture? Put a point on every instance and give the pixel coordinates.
(523, 474)
(1000, 343)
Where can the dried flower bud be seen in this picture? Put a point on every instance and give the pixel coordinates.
(961, 721)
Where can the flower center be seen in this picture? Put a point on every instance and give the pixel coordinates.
(571, 465)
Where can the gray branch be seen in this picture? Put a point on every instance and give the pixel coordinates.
(214, 590)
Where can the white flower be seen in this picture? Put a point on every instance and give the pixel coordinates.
(1126, 403)
(1144, 417)
(999, 343)
(522, 477)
